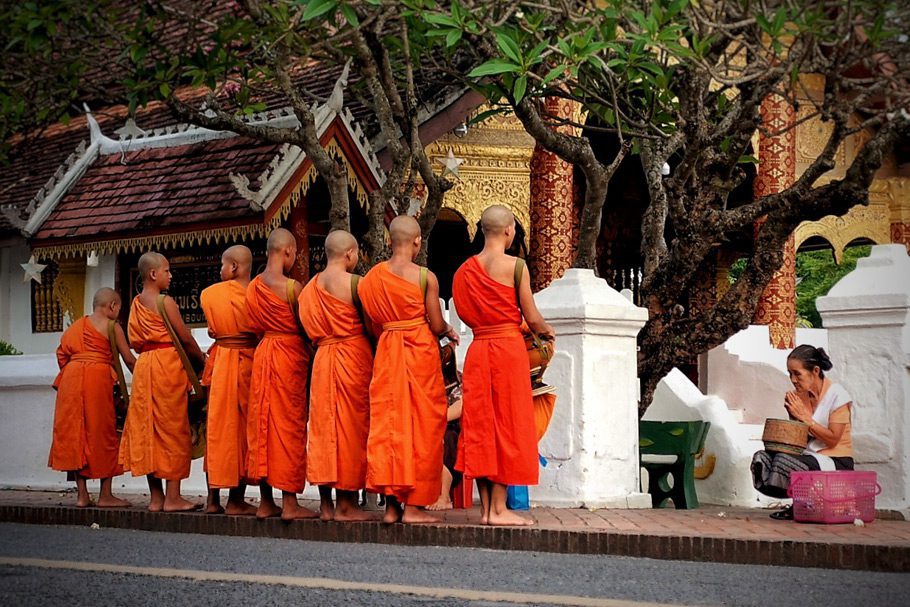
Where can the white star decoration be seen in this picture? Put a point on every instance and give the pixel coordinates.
(32, 270)
(450, 164)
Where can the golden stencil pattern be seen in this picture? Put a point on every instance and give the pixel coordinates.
(776, 172)
(552, 206)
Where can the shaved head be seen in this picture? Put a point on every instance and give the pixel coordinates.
(240, 255)
(280, 239)
(105, 296)
(150, 261)
(339, 242)
(496, 219)
(403, 229)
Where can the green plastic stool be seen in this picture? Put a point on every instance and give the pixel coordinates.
(685, 440)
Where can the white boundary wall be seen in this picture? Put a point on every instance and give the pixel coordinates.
(867, 314)
(16, 305)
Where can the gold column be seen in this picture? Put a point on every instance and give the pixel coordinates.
(900, 211)
(69, 287)
(552, 212)
(777, 172)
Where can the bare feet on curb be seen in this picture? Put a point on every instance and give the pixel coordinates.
(392, 512)
(112, 502)
(267, 510)
(443, 503)
(179, 505)
(352, 514)
(417, 516)
(214, 509)
(241, 509)
(508, 518)
(292, 511)
(326, 511)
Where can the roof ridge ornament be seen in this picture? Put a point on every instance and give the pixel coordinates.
(335, 101)
(130, 130)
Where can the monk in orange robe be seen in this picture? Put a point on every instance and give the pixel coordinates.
(227, 373)
(339, 392)
(156, 436)
(276, 430)
(85, 441)
(407, 396)
(498, 443)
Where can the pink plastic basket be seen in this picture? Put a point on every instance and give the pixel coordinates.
(833, 497)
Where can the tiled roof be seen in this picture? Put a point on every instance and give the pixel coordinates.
(34, 162)
(159, 188)
(35, 159)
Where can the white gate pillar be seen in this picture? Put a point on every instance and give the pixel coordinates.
(867, 315)
(592, 444)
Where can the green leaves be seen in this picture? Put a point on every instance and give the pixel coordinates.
(509, 47)
(521, 86)
(493, 67)
(317, 8)
(350, 15)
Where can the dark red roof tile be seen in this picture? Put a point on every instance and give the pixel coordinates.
(159, 187)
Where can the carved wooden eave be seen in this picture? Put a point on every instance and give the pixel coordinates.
(291, 173)
(29, 219)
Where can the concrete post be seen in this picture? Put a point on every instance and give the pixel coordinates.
(592, 443)
(867, 314)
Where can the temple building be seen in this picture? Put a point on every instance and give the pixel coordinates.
(88, 197)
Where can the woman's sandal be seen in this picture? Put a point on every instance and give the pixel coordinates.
(784, 515)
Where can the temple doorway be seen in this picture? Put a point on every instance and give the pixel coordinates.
(448, 248)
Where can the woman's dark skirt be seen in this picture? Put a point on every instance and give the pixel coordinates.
(771, 471)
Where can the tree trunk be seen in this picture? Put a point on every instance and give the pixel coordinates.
(340, 211)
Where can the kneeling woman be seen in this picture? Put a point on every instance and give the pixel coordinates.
(824, 407)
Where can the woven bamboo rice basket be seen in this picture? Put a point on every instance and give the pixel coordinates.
(785, 436)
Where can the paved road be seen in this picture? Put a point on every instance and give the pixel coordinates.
(81, 566)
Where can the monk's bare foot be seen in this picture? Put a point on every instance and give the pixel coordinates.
(214, 509)
(179, 505)
(392, 515)
(84, 502)
(443, 503)
(156, 503)
(326, 511)
(112, 502)
(241, 509)
(507, 518)
(415, 516)
(267, 510)
(353, 515)
(295, 512)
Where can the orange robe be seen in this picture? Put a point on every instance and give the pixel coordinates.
(227, 373)
(339, 390)
(498, 434)
(407, 396)
(85, 434)
(276, 430)
(156, 434)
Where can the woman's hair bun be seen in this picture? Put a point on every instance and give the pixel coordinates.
(824, 361)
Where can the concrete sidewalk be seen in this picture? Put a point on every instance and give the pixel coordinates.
(711, 533)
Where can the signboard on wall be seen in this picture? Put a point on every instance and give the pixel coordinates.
(192, 270)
